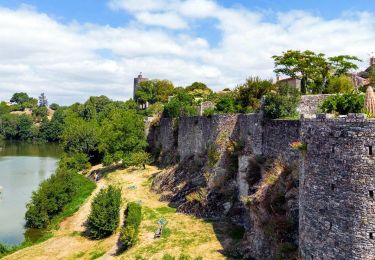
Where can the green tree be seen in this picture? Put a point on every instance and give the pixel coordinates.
(105, 210)
(282, 104)
(122, 133)
(342, 64)
(301, 65)
(311, 68)
(54, 106)
(138, 159)
(180, 105)
(250, 93)
(154, 91)
(80, 136)
(25, 127)
(339, 84)
(19, 97)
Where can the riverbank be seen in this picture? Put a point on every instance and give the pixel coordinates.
(183, 235)
(85, 188)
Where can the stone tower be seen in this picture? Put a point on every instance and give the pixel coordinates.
(137, 80)
(337, 185)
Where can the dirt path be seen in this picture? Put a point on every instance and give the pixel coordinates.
(183, 234)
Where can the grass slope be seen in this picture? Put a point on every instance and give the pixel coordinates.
(184, 237)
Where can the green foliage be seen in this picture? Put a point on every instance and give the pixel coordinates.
(74, 161)
(130, 230)
(3, 249)
(19, 97)
(313, 69)
(80, 136)
(180, 105)
(199, 90)
(340, 84)
(40, 112)
(51, 131)
(154, 91)
(104, 216)
(227, 103)
(54, 106)
(50, 198)
(209, 111)
(351, 102)
(250, 93)
(96, 254)
(137, 159)
(122, 133)
(25, 127)
(282, 104)
(168, 257)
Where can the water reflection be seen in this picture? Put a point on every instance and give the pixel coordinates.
(22, 167)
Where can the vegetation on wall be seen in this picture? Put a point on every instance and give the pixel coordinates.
(343, 104)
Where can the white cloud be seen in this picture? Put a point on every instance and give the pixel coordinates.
(70, 62)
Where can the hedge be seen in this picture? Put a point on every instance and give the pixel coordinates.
(130, 230)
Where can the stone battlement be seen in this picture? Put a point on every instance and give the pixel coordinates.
(337, 171)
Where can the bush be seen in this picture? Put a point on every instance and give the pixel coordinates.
(342, 84)
(130, 230)
(104, 216)
(50, 198)
(343, 104)
(282, 104)
(3, 249)
(138, 159)
(75, 161)
(180, 105)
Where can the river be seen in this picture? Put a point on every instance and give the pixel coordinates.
(23, 166)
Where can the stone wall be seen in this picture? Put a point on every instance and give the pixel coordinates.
(162, 140)
(277, 137)
(309, 104)
(196, 134)
(337, 216)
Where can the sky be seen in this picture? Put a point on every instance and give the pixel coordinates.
(71, 49)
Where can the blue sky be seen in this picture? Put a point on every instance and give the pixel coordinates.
(97, 11)
(73, 49)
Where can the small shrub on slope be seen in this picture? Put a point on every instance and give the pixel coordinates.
(104, 216)
(130, 230)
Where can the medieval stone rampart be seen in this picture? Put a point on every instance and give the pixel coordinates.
(337, 216)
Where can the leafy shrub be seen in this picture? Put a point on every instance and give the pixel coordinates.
(343, 104)
(180, 105)
(75, 161)
(209, 111)
(130, 230)
(341, 84)
(282, 104)
(3, 249)
(104, 216)
(50, 198)
(137, 159)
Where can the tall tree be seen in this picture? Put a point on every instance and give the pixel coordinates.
(313, 68)
(43, 102)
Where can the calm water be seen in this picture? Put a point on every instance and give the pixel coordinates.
(22, 167)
